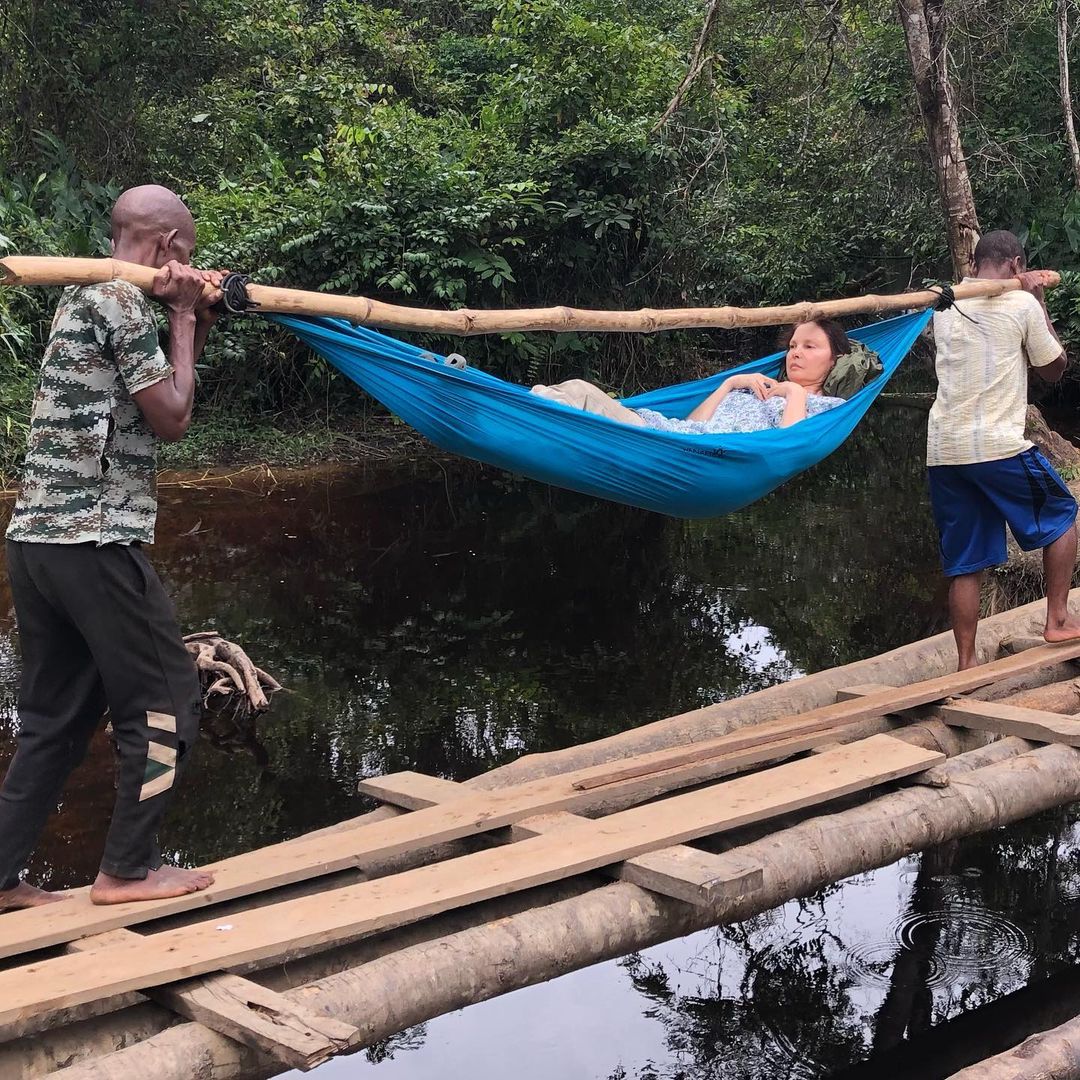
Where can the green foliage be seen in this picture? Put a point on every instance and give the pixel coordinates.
(506, 152)
(55, 213)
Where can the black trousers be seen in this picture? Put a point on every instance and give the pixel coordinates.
(96, 631)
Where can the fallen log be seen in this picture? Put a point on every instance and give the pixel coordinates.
(1058, 697)
(1049, 1055)
(408, 986)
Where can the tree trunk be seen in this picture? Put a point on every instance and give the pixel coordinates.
(924, 29)
(1050, 1055)
(1063, 79)
(698, 62)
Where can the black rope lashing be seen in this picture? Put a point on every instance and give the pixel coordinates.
(234, 295)
(947, 299)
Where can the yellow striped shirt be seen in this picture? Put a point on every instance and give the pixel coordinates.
(981, 403)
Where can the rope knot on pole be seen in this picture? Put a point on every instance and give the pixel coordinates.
(234, 295)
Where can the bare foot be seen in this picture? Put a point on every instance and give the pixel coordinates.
(1067, 629)
(157, 885)
(25, 896)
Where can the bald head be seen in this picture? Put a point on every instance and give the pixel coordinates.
(151, 225)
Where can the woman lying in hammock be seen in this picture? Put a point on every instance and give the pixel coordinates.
(758, 402)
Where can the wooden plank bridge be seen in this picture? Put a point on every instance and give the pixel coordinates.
(69, 961)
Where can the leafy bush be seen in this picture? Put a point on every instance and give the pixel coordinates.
(506, 152)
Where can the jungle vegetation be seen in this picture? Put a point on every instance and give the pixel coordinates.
(511, 153)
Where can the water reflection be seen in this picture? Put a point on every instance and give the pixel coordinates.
(838, 986)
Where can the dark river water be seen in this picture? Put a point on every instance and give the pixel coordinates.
(450, 619)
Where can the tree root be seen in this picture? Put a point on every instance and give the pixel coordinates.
(228, 676)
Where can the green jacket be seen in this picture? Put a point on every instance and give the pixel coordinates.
(852, 372)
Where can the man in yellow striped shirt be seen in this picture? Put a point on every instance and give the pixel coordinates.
(983, 473)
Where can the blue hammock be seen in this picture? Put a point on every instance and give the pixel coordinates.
(474, 414)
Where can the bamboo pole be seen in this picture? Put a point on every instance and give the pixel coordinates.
(32, 270)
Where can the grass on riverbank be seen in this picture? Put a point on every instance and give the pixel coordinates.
(218, 440)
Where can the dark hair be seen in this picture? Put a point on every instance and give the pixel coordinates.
(999, 246)
(839, 342)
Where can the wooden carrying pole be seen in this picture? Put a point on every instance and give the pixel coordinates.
(32, 270)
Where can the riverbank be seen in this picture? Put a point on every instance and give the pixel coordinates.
(219, 446)
(219, 441)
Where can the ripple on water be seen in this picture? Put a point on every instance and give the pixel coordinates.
(955, 942)
(871, 964)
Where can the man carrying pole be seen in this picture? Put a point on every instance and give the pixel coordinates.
(983, 472)
(96, 628)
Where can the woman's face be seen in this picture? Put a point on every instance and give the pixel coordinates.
(809, 356)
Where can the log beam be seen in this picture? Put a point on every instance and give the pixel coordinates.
(244, 1011)
(998, 717)
(1049, 1055)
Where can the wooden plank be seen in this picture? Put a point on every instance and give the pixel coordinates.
(685, 873)
(243, 1010)
(412, 790)
(681, 872)
(849, 693)
(997, 717)
(326, 852)
(851, 710)
(738, 749)
(1003, 719)
(301, 859)
(35, 990)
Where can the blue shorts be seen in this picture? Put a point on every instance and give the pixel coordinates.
(972, 504)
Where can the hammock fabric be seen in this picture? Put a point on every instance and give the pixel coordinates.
(476, 415)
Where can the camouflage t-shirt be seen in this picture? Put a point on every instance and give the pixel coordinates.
(91, 461)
